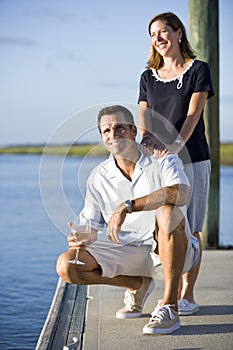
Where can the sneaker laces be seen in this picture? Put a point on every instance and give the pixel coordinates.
(161, 313)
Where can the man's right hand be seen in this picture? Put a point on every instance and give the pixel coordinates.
(80, 239)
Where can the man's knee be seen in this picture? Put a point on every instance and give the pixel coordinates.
(66, 270)
(170, 219)
(63, 267)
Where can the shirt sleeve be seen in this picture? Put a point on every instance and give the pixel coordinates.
(91, 208)
(142, 88)
(172, 171)
(203, 80)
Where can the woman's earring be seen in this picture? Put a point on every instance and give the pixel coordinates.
(179, 41)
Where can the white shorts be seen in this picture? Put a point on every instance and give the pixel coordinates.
(126, 259)
(130, 260)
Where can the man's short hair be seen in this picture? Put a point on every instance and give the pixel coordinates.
(116, 109)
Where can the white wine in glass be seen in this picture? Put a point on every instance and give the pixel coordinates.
(81, 229)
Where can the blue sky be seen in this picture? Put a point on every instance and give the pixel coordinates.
(59, 57)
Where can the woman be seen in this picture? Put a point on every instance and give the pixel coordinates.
(176, 86)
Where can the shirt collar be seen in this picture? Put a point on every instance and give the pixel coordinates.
(113, 171)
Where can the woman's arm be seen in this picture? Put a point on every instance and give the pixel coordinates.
(144, 119)
(196, 105)
(148, 139)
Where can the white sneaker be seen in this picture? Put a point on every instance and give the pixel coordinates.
(165, 320)
(186, 308)
(135, 300)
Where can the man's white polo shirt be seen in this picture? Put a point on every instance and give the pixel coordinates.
(107, 187)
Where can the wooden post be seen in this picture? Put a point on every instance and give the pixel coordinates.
(203, 34)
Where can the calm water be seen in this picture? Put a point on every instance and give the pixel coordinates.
(30, 243)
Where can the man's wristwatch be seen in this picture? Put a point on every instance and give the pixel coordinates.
(129, 205)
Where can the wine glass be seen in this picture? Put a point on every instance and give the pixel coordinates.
(81, 229)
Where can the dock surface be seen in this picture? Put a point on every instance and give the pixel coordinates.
(210, 328)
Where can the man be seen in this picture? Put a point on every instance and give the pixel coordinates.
(136, 197)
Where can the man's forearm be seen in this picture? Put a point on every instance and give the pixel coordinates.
(173, 195)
